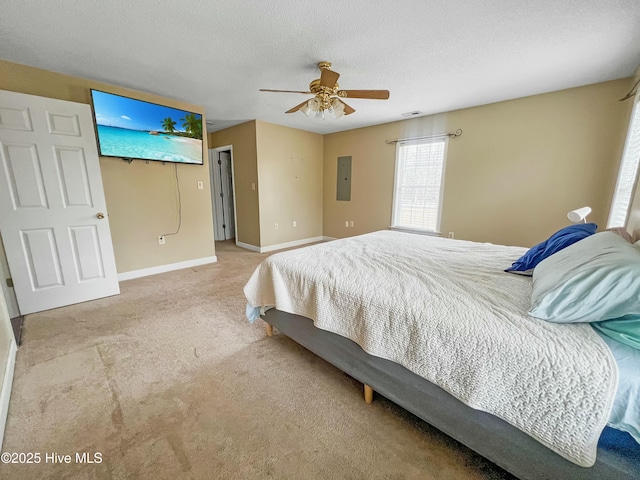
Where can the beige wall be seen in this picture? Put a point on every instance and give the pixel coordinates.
(290, 178)
(245, 170)
(512, 176)
(285, 164)
(141, 197)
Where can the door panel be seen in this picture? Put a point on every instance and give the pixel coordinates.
(62, 124)
(41, 253)
(12, 118)
(23, 175)
(73, 177)
(53, 217)
(86, 250)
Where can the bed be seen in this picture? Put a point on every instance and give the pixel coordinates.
(399, 312)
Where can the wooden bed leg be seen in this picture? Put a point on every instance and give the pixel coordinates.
(269, 330)
(368, 394)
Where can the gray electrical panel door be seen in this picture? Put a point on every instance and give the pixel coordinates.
(344, 179)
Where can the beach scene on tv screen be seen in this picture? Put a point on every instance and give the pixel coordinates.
(130, 128)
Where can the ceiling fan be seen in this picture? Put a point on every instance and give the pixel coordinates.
(328, 96)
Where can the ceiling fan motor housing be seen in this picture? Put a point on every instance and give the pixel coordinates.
(323, 93)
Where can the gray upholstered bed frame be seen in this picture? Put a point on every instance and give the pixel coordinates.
(486, 434)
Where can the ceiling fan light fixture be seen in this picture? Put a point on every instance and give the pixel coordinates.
(314, 104)
(338, 107)
(306, 108)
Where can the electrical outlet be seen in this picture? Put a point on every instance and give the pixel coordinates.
(161, 239)
(200, 185)
(450, 234)
(346, 223)
(295, 224)
(276, 226)
(351, 223)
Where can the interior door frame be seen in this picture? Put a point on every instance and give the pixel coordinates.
(8, 292)
(217, 150)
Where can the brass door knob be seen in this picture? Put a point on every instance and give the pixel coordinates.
(100, 215)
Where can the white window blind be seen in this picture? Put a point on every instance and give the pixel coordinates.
(417, 196)
(628, 172)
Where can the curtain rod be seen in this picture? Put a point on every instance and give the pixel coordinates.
(631, 93)
(452, 135)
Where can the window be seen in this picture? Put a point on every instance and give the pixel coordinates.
(628, 173)
(417, 195)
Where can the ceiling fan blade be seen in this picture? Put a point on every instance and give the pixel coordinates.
(297, 107)
(372, 94)
(328, 78)
(347, 109)
(285, 91)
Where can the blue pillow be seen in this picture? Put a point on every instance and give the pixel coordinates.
(556, 242)
(593, 280)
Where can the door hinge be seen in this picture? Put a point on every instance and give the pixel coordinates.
(10, 282)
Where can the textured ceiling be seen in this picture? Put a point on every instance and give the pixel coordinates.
(433, 56)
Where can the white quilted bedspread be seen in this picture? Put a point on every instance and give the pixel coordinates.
(445, 310)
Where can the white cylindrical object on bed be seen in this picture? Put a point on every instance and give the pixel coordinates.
(578, 215)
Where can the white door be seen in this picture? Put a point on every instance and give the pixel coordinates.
(227, 194)
(216, 194)
(53, 216)
(222, 194)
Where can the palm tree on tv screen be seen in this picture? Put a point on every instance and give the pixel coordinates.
(192, 124)
(169, 125)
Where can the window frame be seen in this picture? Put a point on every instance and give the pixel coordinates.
(399, 145)
(633, 125)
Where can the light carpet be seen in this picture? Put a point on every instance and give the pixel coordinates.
(169, 380)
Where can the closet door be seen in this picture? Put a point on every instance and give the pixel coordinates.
(216, 196)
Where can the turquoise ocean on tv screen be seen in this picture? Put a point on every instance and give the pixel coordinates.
(125, 143)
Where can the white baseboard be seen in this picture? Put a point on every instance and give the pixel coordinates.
(280, 246)
(5, 393)
(166, 268)
(295, 243)
(247, 246)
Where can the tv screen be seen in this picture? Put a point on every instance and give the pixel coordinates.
(129, 128)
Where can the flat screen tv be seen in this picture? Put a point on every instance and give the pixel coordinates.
(132, 129)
